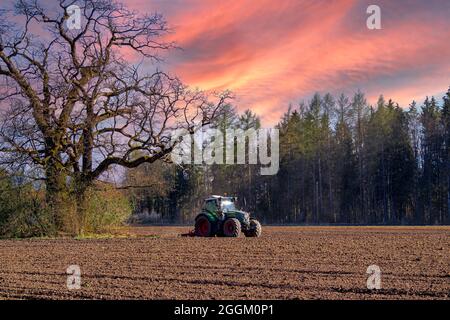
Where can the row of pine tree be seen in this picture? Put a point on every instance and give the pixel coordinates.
(342, 161)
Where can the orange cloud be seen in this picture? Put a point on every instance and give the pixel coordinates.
(271, 53)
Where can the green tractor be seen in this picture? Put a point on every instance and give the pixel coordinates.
(220, 217)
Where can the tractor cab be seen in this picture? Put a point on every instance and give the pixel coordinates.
(219, 205)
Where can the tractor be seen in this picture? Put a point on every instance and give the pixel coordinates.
(219, 217)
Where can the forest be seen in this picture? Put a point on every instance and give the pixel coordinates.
(342, 161)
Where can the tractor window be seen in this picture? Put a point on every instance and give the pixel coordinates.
(228, 205)
(211, 206)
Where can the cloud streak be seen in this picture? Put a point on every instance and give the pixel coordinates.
(271, 53)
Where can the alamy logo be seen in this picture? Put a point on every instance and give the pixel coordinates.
(74, 277)
(374, 280)
(374, 20)
(74, 17)
(213, 146)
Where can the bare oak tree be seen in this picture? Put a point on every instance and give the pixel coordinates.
(73, 106)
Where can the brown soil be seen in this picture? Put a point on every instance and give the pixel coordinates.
(285, 263)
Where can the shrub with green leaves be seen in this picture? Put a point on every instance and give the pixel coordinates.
(106, 209)
(23, 212)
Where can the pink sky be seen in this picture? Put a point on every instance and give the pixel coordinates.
(271, 53)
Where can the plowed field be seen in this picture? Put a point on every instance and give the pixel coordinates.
(285, 263)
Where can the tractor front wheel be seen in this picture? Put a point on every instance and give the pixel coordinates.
(203, 227)
(254, 230)
(232, 228)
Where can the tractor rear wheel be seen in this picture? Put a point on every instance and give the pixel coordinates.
(232, 228)
(203, 227)
(254, 230)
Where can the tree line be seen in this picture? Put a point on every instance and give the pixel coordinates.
(342, 161)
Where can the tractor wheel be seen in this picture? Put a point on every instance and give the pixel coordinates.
(203, 227)
(254, 230)
(232, 228)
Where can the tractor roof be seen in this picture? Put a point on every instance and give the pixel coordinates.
(214, 197)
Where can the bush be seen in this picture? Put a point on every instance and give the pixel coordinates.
(23, 213)
(107, 208)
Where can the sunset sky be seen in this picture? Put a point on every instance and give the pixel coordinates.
(271, 53)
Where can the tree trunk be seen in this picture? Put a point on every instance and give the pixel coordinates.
(57, 197)
(81, 210)
(68, 208)
(82, 187)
